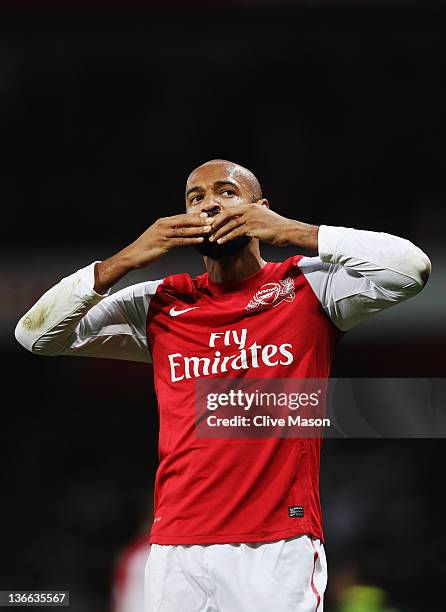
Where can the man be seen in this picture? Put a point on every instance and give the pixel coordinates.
(237, 524)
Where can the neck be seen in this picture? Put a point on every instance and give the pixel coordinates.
(235, 267)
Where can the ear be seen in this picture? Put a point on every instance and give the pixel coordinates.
(263, 202)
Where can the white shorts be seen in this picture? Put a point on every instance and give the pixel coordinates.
(285, 576)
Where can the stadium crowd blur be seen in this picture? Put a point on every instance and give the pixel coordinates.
(338, 107)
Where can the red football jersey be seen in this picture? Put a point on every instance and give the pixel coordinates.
(279, 325)
(240, 489)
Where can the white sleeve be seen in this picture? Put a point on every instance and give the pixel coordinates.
(72, 319)
(359, 273)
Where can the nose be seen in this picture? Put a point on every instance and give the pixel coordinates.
(211, 209)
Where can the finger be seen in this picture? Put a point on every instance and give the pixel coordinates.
(185, 241)
(226, 228)
(187, 220)
(238, 231)
(223, 217)
(185, 232)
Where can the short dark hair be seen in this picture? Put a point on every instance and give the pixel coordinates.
(249, 176)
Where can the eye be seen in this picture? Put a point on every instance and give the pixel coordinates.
(196, 198)
(227, 192)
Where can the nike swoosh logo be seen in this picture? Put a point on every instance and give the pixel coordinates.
(174, 312)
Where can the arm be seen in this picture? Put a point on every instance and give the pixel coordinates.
(78, 317)
(72, 319)
(359, 273)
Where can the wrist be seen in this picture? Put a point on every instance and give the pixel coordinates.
(291, 232)
(127, 260)
(302, 235)
(109, 271)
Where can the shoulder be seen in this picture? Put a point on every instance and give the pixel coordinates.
(304, 264)
(181, 284)
(308, 265)
(138, 292)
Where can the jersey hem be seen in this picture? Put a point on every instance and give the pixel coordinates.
(271, 536)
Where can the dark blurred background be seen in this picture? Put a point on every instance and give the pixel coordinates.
(339, 110)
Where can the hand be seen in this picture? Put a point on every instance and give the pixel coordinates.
(167, 233)
(254, 220)
(157, 240)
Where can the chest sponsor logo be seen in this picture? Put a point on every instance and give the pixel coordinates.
(229, 350)
(175, 313)
(271, 295)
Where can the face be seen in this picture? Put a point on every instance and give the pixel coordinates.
(213, 188)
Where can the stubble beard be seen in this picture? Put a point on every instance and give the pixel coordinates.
(217, 251)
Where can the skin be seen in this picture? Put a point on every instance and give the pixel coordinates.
(228, 188)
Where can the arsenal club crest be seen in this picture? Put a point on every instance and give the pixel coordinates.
(271, 295)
